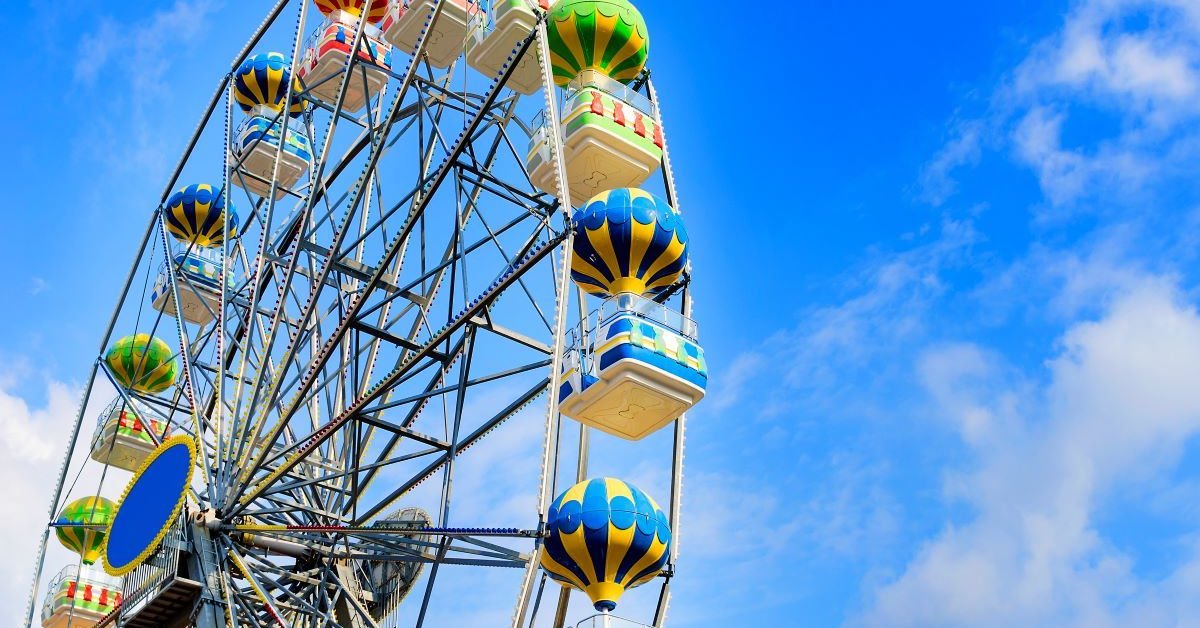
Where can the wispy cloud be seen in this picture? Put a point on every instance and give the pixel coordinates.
(1135, 63)
(138, 58)
(964, 147)
(1118, 408)
(885, 309)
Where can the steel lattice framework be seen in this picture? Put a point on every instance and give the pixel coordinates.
(367, 315)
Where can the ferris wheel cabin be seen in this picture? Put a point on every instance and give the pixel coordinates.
(610, 139)
(494, 38)
(255, 146)
(390, 581)
(328, 54)
(640, 369)
(198, 282)
(80, 597)
(405, 20)
(123, 437)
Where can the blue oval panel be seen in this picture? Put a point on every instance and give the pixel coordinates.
(149, 505)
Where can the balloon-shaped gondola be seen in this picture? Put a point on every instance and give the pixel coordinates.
(605, 35)
(376, 9)
(82, 525)
(262, 81)
(142, 362)
(196, 214)
(628, 240)
(605, 536)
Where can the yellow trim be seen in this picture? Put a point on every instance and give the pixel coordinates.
(601, 242)
(652, 555)
(553, 566)
(619, 541)
(669, 256)
(259, 527)
(121, 570)
(641, 235)
(262, 595)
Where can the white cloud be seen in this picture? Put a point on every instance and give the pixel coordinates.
(1099, 51)
(936, 182)
(1135, 63)
(34, 436)
(1066, 174)
(734, 379)
(95, 48)
(1119, 407)
(135, 61)
(32, 443)
(886, 311)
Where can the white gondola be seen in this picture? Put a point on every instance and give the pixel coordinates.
(255, 145)
(80, 597)
(391, 581)
(328, 53)
(637, 371)
(406, 18)
(198, 281)
(494, 36)
(123, 437)
(611, 139)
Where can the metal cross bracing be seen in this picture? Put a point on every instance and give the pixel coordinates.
(374, 324)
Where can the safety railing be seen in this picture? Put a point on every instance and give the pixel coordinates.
(604, 620)
(578, 353)
(373, 47)
(629, 303)
(191, 263)
(595, 79)
(61, 590)
(147, 579)
(113, 411)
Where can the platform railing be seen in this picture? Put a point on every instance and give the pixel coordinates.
(113, 412)
(159, 569)
(91, 576)
(181, 254)
(603, 620)
(595, 79)
(297, 139)
(579, 345)
(628, 303)
(372, 46)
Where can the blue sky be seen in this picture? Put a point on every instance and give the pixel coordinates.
(946, 273)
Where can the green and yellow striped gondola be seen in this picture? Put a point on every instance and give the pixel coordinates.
(142, 362)
(605, 35)
(82, 524)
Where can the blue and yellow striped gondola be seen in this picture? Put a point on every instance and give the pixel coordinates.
(197, 217)
(605, 536)
(196, 214)
(260, 87)
(641, 367)
(628, 240)
(261, 82)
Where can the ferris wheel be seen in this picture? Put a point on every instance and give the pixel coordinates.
(400, 229)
